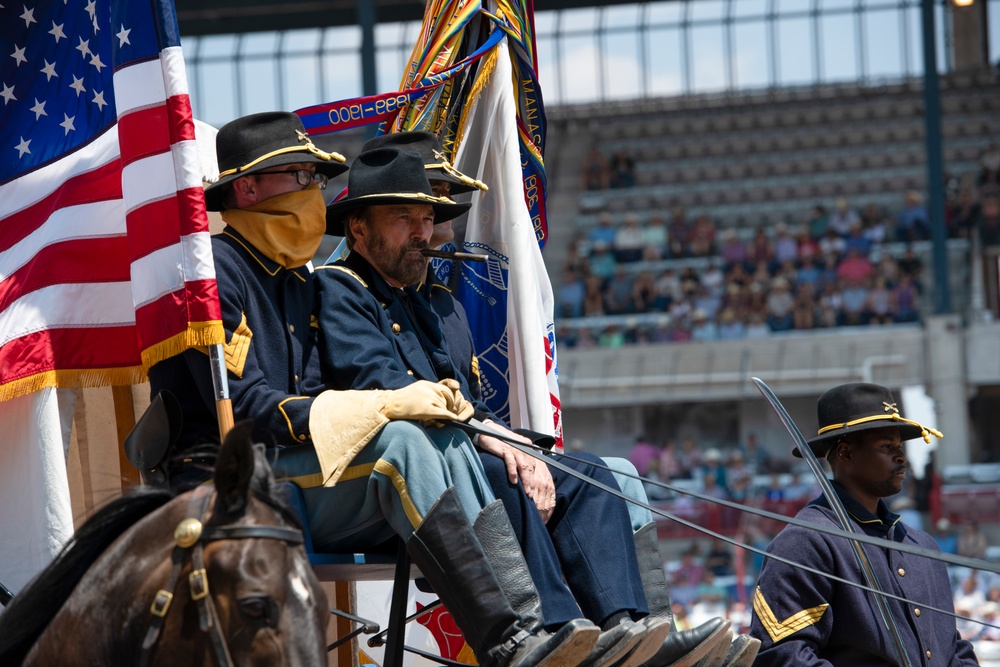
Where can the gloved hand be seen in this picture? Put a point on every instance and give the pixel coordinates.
(427, 401)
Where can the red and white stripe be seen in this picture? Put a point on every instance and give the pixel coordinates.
(105, 255)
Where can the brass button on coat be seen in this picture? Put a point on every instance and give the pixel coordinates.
(396, 329)
(902, 572)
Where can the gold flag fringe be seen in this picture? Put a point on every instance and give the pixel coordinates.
(197, 334)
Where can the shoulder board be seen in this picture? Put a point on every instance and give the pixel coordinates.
(345, 270)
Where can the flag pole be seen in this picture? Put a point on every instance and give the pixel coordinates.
(220, 384)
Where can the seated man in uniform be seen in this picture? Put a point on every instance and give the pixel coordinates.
(425, 486)
(526, 489)
(393, 338)
(805, 619)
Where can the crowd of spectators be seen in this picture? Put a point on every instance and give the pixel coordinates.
(830, 270)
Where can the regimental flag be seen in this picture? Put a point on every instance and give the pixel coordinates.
(105, 260)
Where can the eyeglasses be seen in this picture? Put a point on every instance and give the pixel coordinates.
(303, 176)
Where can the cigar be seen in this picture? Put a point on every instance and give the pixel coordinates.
(444, 254)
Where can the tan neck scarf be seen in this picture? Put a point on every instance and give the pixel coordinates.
(287, 228)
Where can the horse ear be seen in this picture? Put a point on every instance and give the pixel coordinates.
(234, 469)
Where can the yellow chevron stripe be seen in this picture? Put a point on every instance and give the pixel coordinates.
(779, 630)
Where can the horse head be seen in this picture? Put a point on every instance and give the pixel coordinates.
(215, 576)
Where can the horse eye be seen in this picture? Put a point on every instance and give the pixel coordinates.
(261, 610)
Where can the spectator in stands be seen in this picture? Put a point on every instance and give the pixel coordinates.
(643, 293)
(593, 300)
(622, 169)
(602, 261)
(595, 171)
(642, 454)
(855, 268)
(618, 294)
(687, 577)
(775, 492)
(629, 241)
(707, 302)
(701, 241)
(888, 270)
(945, 536)
(804, 311)
(667, 289)
(818, 222)
(669, 467)
(719, 559)
(855, 296)
(989, 166)
(786, 248)
(653, 490)
(962, 215)
(808, 274)
(906, 297)
(576, 256)
(780, 304)
(873, 224)
(758, 459)
(654, 240)
(756, 326)
(843, 218)
(678, 232)
(911, 221)
(881, 306)
(571, 295)
(832, 244)
(972, 542)
(585, 340)
(989, 218)
(856, 240)
(808, 246)
(911, 265)
(603, 231)
(688, 459)
(760, 250)
(690, 282)
(713, 280)
(733, 251)
(730, 327)
(738, 477)
(715, 470)
(703, 329)
(798, 489)
(612, 337)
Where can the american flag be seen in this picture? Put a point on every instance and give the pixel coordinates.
(105, 260)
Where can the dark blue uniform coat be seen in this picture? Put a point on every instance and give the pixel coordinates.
(266, 311)
(804, 619)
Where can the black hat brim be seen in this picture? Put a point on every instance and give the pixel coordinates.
(338, 212)
(822, 443)
(215, 193)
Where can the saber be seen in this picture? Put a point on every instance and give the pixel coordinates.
(445, 254)
(541, 453)
(838, 509)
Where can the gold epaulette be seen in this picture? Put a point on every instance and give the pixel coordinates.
(345, 270)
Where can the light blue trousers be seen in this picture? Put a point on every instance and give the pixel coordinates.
(389, 486)
(639, 516)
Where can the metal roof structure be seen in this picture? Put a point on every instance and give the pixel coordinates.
(214, 17)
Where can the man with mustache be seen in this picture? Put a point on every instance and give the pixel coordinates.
(806, 619)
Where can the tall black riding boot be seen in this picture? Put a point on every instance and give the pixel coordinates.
(681, 648)
(497, 611)
(495, 533)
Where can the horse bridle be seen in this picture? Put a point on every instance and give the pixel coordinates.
(190, 536)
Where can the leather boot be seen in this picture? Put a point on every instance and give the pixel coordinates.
(487, 604)
(742, 652)
(681, 648)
